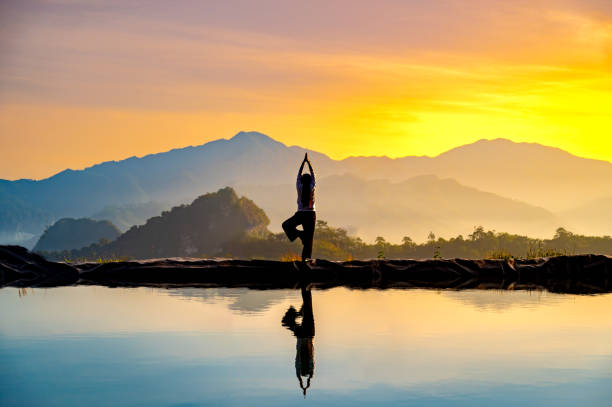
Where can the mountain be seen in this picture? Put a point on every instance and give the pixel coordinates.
(21, 222)
(594, 217)
(175, 176)
(415, 207)
(239, 300)
(537, 175)
(126, 216)
(68, 233)
(201, 228)
(530, 172)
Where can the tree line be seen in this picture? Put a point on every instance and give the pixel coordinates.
(335, 244)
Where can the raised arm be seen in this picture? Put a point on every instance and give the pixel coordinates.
(311, 171)
(300, 172)
(302, 167)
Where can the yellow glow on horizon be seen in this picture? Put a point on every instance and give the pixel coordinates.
(572, 114)
(553, 88)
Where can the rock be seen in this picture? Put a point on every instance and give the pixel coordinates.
(22, 268)
(582, 274)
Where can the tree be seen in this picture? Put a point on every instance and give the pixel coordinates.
(562, 233)
(479, 233)
(380, 241)
(407, 241)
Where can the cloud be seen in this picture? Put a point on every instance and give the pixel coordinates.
(393, 77)
(230, 55)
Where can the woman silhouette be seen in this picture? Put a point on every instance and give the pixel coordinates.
(305, 215)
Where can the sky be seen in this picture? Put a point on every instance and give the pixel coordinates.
(83, 82)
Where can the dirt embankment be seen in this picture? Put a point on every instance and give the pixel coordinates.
(583, 274)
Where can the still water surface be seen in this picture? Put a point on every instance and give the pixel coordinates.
(237, 347)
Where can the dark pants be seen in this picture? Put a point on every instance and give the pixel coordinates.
(307, 219)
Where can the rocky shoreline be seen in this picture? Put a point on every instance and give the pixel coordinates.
(579, 274)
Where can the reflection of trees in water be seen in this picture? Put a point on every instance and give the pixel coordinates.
(304, 331)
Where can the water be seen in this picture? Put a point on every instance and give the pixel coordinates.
(154, 347)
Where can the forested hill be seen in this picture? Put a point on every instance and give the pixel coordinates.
(201, 228)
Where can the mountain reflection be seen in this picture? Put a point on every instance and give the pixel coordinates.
(243, 301)
(304, 331)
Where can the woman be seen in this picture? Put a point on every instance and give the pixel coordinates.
(305, 215)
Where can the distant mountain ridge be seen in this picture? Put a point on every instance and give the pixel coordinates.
(126, 216)
(413, 207)
(530, 172)
(537, 175)
(178, 173)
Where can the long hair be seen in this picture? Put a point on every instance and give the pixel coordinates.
(306, 179)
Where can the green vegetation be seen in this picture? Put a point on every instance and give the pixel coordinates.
(221, 224)
(334, 244)
(205, 226)
(99, 260)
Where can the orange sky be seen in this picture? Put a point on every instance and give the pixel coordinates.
(89, 81)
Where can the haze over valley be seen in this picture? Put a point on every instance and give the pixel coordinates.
(522, 188)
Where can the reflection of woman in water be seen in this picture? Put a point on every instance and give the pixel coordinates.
(305, 215)
(304, 332)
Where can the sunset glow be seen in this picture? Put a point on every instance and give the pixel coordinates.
(85, 82)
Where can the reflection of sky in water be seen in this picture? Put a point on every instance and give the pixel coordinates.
(100, 346)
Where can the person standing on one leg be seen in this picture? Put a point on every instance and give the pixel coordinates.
(305, 215)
